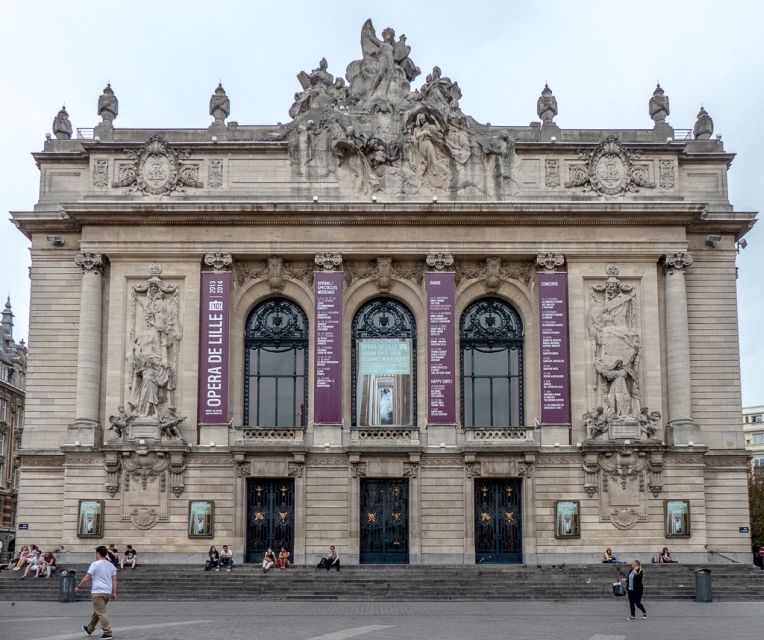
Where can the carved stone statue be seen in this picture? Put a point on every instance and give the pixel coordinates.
(320, 90)
(596, 423)
(546, 105)
(613, 326)
(62, 127)
(108, 105)
(659, 105)
(648, 423)
(704, 125)
(385, 71)
(119, 423)
(220, 105)
(430, 154)
(168, 424)
(155, 334)
(440, 92)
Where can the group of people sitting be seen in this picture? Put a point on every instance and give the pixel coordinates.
(663, 556)
(217, 559)
(34, 562)
(130, 559)
(224, 558)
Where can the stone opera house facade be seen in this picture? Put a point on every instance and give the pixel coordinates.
(385, 326)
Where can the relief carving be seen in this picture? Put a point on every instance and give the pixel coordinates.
(215, 174)
(552, 174)
(158, 169)
(218, 261)
(609, 170)
(440, 261)
(493, 271)
(275, 270)
(90, 262)
(101, 174)
(328, 261)
(666, 173)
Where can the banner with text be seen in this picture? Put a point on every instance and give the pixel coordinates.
(555, 374)
(327, 389)
(441, 348)
(213, 356)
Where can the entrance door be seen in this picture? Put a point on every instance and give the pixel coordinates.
(498, 520)
(384, 521)
(270, 516)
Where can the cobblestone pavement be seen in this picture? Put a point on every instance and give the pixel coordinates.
(301, 620)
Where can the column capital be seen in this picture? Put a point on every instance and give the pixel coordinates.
(90, 262)
(218, 260)
(677, 261)
(440, 261)
(328, 261)
(550, 261)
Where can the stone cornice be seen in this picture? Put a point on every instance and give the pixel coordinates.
(564, 212)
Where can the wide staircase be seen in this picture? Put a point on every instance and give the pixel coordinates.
(379, 582)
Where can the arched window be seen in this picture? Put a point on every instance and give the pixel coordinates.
(384, 371)
(491, 335)
(275, 365)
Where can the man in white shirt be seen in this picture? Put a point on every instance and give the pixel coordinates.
(104, 576)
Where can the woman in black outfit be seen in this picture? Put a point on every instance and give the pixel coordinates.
(214, 560)
(634, 589)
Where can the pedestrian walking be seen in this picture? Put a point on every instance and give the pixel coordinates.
(634, 589)
(104, 588)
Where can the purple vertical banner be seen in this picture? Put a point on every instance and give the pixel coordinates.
(213, 353)
(553, 323)
(441, 348)
(327, 382)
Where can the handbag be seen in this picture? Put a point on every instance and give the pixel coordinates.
(619, 589)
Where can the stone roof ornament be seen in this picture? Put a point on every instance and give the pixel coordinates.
(546, 105)
(62, 126)
(108, 105)
(704, 125)
(659, 105)
(220, 105)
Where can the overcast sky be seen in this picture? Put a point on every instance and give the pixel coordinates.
(601, 58)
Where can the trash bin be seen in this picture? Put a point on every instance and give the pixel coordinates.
(67, 581)
(703, 585)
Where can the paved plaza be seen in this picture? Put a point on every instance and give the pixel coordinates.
(301, 620)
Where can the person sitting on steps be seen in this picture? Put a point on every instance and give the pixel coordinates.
(283, 558)
(213, 562)
(226, 558)
(608, 556)
(331, 561)
(269, 559)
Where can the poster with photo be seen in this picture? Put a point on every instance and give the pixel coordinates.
(90, 520)
(567, 519)
(677, 517)
(201, 519)
(384, 384)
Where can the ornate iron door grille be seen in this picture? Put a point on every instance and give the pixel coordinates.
(270, 516)
(498, 520)
(384, 521)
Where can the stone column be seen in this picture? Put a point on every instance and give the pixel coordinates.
(680, 429)
(86, 428)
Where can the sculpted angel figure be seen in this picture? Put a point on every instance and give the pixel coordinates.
(120, 422)
(620, 399)
(385, 70)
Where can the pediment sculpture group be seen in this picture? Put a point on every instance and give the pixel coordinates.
(378, 135)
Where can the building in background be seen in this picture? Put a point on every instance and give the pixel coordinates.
(385, 326)
(13, 358)
(753, 427)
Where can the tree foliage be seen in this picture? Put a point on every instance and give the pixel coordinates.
(756, 501)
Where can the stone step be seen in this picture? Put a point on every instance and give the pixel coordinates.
(400, 582)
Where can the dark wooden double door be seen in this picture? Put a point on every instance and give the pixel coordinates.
(384, 521)
(498, 520)
(270, 516)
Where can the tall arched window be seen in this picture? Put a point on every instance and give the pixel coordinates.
(491, 335)
(384, 371)
(275, 365)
